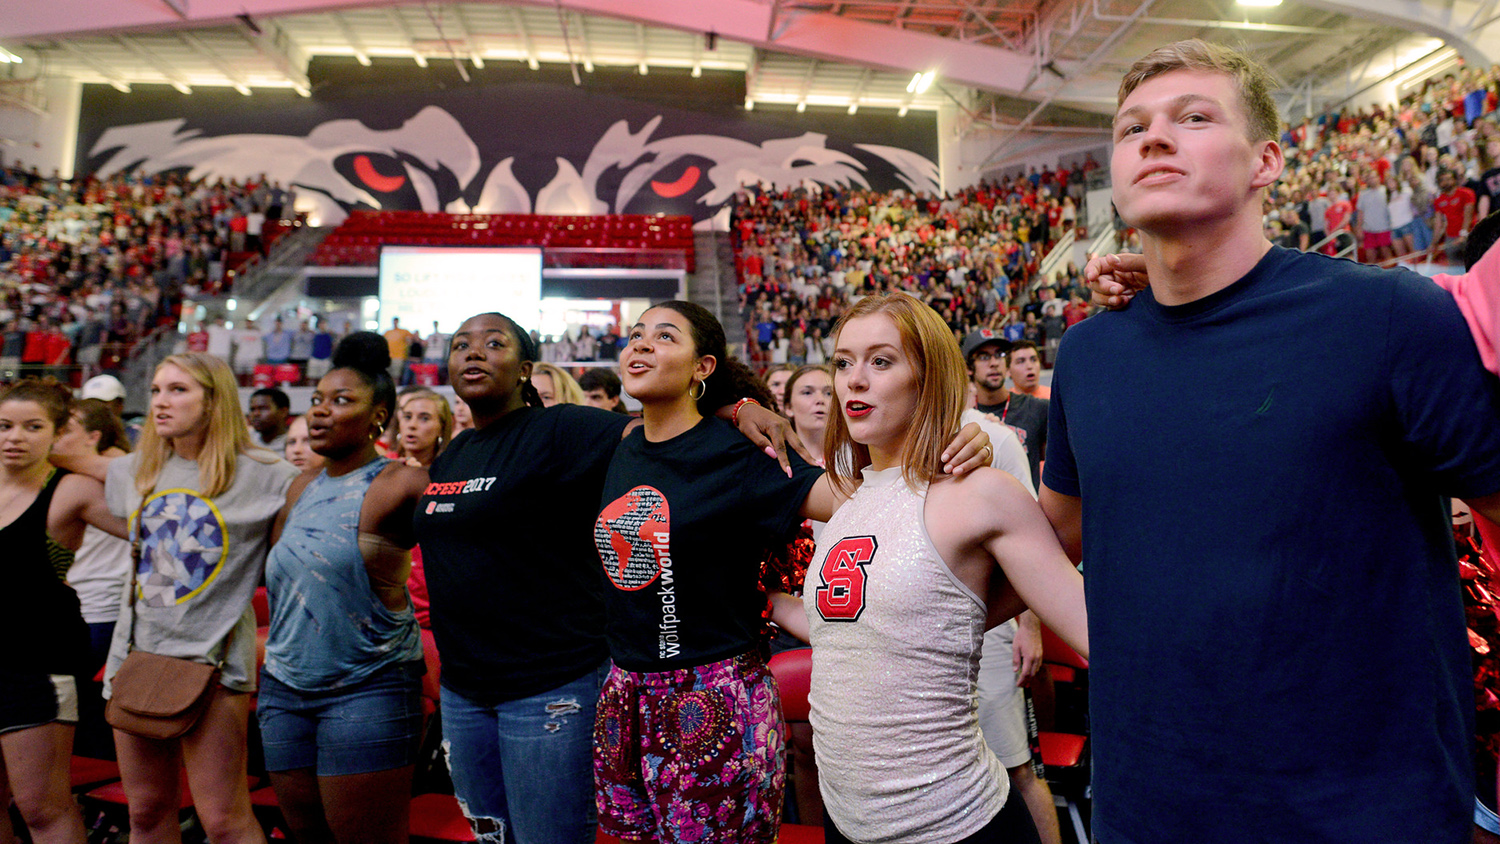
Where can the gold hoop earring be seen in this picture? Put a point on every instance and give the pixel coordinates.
(702, 388)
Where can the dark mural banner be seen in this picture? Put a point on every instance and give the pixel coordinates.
(399, 137)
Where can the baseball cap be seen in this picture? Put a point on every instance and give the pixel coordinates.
(983, 337)
(104, 388)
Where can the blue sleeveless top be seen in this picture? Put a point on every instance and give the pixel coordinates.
(328, 627)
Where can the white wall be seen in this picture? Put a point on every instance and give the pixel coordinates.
(45, 140)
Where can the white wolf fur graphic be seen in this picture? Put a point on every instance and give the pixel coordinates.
(435, 138)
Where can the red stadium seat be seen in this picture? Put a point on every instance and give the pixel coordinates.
(437, 817)
(1064, 755)
(793, 672)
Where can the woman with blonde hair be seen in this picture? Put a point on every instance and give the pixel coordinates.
(200, 499)
(555, 385)
(424, 426)
(903, 585)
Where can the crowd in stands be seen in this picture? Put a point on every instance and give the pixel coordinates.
(804, 256)
(1398, 180)
(88, 266)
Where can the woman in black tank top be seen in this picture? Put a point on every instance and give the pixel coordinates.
(42, 516)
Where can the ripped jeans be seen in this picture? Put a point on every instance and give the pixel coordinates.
(524, 770)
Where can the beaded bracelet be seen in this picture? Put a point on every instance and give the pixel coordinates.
(734, 418)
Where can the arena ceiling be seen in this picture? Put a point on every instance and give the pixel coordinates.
(1007, 65)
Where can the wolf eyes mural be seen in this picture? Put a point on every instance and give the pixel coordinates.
(431, 161)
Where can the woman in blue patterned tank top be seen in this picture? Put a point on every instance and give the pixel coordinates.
(340, 705)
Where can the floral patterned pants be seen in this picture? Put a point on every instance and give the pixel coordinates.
(691, 755)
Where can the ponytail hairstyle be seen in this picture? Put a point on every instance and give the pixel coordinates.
(226, 436)
(54, 399)
(731, 379)
(95, 415)
(528, 350)
(942, 383)
(367, 355)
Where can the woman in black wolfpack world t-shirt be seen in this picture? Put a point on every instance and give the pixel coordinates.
(517, 608)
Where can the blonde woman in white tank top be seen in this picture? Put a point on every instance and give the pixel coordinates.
(902, 587)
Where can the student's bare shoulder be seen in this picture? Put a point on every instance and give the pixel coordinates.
(980, 497)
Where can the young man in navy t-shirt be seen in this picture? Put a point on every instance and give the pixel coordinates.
(1251, 461)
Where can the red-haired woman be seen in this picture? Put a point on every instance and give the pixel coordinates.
(903, 585)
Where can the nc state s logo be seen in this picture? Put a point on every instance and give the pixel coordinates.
(842, 595)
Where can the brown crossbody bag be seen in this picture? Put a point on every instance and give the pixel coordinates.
(155, 696)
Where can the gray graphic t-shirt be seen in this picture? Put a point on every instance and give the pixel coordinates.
(201, 561)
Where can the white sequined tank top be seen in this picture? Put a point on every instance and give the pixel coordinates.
(896, 643)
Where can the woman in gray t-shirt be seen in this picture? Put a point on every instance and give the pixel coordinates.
(201, 500)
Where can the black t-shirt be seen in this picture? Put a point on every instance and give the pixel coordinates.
(1026, 416)
(681, 530)
(505, 532)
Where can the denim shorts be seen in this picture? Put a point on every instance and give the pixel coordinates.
(373, 725)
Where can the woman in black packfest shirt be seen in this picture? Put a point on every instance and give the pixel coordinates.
(516, 597)
(689, 735)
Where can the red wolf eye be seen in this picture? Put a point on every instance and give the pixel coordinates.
(684, 183)
(373, 178)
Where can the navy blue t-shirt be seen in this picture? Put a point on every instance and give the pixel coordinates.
(506, 529)
(1277, 641)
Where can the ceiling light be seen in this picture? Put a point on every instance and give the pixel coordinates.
(182, 88)
(853, 107)
(801, 106)
(903, 111)
(240, 86)
(916, 79)
(925, 81)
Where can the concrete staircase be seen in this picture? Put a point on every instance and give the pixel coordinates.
(715, 286)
